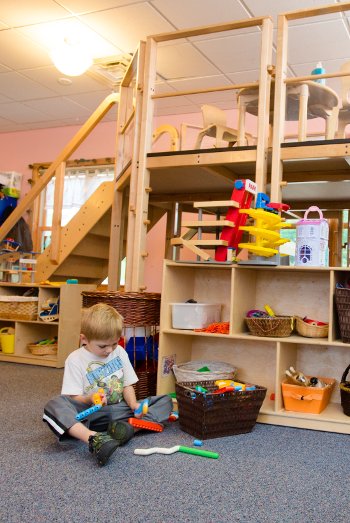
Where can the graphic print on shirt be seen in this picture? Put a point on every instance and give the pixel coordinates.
(109, 376)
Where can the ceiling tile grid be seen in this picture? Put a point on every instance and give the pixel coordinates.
(30, 85)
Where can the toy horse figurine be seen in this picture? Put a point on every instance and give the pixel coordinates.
(297, 378)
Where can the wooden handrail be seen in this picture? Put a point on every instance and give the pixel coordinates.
(72, 145)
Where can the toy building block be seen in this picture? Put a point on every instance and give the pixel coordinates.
(144, 424)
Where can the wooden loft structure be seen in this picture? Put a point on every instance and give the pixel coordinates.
(149, 184)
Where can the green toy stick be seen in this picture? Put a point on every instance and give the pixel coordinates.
(177, 448)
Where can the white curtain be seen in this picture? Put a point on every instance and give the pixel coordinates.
(79, 184)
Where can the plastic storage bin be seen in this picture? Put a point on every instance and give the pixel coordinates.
(307, 399)
(194, 315)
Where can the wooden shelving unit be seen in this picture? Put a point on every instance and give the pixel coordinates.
(66, 328)
(261, 360)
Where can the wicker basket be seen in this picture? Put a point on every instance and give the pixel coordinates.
(137, 308)
(210, 415)
(276, 326)
(18, 307)
(42, 350)
(147, 384)
(342, 301)
(310, 331)
(345, 392)
(189, 371)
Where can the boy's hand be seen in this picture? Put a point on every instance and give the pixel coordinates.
(142, 409)
(99, 398)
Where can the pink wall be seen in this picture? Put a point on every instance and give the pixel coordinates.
(18, 150)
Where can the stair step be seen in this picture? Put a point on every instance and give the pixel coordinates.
(93, 246)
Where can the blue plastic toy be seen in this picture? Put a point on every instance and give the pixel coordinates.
(85, 413)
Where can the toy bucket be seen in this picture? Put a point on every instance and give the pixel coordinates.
(312, 240)
(7, 340)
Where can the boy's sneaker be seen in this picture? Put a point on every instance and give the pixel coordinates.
(120, 431)
(103, 446)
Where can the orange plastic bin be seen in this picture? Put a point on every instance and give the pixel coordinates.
(307, 399)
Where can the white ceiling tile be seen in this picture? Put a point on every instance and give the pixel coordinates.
(90, 100)
(184, 14)
(18, 87)
(305, 42)
(20, 113)
(273, 8)
(19, 52)
(49, 35)
(49, 77)
(235, 53)
(58, 107)
(87, 6)
(181, 61)
(124, 27)
(25, 13)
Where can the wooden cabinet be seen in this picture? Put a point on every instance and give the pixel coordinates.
(261, 360)
(66, 327)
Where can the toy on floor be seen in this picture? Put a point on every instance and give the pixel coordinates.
(144, 424)
(177, 448)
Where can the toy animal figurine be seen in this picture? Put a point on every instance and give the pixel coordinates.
(297, 377)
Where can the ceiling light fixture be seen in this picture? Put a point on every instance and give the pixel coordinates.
(71, 57)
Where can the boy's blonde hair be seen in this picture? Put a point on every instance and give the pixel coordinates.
(101, 322)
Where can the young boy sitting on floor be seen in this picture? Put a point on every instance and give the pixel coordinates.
(100, 363)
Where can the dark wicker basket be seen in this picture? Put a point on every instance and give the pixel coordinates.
(137, 308)
(210, 415)
(342, 301)
(345, 392)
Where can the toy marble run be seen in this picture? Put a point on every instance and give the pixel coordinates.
(266, 231)
(230, 235)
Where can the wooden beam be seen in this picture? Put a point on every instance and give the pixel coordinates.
(209, 29)
(57, 214)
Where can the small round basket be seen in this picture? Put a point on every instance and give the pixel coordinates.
(310, 331)
(43, 350)
(275, 326)
(345, 392)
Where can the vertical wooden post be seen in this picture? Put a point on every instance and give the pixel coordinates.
(264, 105)
(57, 213)
(279, 108)
(143, 179)
(134, 167)
(130, 104)
(335, 239)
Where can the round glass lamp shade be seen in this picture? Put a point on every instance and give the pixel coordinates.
(71, 58)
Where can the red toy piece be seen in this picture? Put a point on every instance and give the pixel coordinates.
(243, 193)
(143, 424)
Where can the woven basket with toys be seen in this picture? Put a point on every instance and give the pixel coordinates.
(311, 328)
(261, 323)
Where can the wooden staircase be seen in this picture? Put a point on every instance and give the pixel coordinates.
(84, 248)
